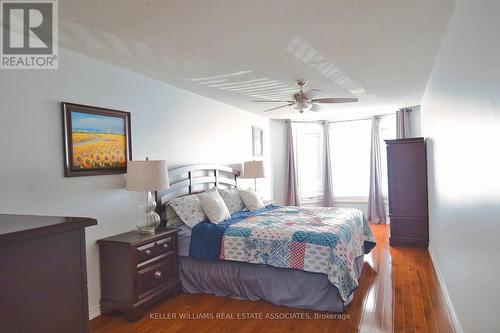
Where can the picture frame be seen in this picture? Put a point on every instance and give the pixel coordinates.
(97, 141)
(257, 141)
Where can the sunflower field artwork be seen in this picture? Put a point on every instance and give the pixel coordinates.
(98, 141)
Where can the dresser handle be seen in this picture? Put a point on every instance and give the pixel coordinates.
(157, 274)
(165, 245)
(148, 252)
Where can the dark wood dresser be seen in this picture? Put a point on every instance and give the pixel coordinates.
(137, 271)
(43, 274)
(407, 175)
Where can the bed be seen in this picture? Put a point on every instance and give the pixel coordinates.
(308, 258)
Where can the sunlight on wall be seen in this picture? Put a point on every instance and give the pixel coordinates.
(472, 162)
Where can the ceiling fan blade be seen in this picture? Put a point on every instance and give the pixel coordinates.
(334, 100)
(278, 107)
(310, 94)
(272, 101)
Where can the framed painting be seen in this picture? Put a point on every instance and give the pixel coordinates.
(257, 141)
(96, 140)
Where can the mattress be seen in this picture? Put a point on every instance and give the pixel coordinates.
(239, 280)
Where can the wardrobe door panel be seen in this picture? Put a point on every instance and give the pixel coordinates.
(407, 176)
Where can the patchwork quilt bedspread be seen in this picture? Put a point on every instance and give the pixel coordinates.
(320, 240)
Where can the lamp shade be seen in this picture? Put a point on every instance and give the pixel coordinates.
(253, 169)
(147, 175)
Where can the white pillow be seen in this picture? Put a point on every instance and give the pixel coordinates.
(189, 209)
(213, 206)
(232, 199)
(251, 199)
(173, 220)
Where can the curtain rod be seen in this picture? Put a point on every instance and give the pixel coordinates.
(339, 121)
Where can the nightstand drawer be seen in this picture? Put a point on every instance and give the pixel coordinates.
(165, 245)
(156, 275)
(152, 250)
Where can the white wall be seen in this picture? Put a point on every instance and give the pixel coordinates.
(461, 119)
(167, 123)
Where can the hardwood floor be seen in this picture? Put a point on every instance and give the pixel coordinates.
(398, 292)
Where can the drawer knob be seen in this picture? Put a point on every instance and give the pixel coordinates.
(157, 274)
(165, 245)
(148, 252)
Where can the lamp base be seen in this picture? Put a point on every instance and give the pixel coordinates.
(149, 219)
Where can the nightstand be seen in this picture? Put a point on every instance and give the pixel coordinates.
(138, 271)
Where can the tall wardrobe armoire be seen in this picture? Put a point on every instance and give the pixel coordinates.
(407, 175)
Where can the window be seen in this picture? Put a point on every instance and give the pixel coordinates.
(308, 144)
(350, 153)
(350, 145)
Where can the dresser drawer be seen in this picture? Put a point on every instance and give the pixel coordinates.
(155, 249)
(156, 275)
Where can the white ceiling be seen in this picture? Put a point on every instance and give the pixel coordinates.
(234, 51)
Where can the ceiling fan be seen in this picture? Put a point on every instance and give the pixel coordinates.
(306, 100)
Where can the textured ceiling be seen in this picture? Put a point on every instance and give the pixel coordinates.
(234, 51)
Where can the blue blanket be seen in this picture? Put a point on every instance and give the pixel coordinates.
(206, 237)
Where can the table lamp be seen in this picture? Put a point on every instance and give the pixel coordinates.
(147, 176)
(253, 169)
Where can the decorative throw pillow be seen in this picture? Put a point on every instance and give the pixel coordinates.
(213, 206)
(251, 199)
(188, 208)
(173, 220)
(232, 199)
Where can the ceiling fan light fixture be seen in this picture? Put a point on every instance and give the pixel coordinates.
(303, 105)
(307, 101)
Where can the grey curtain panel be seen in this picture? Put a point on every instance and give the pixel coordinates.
(376, 207)
(403, 124)
(327, 172)
(292, 197)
